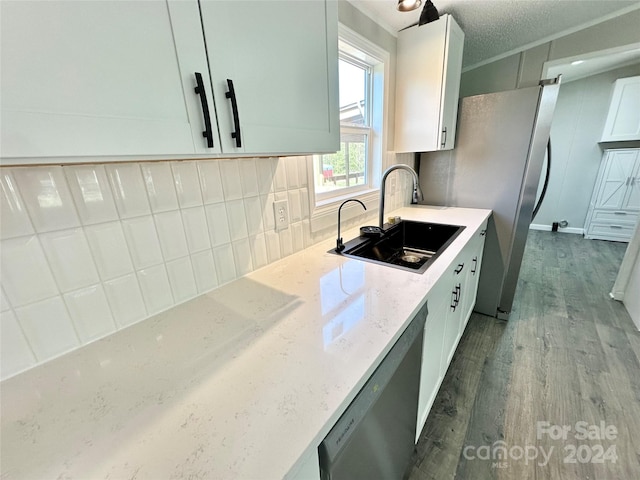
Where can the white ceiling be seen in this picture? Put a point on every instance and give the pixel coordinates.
(495, 28)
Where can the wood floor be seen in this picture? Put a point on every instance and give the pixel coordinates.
(568, 354)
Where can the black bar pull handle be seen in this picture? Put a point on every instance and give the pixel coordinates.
(459, 268)
(231, 95)
(475, 265)
(208, 133)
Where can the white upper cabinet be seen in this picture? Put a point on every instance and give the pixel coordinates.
(102, 78)
(429, 65)
(282, 60)
(623, 119)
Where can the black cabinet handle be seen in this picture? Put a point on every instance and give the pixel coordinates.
(483, 233)
(459, 268)
(208, 133)
(475, 265)
(231, 95)
(455, 300)
(444, 137)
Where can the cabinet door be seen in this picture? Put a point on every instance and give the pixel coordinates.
(632, 199)
(474, 259)
(282, 59)
(101, 78)
(456, 282)
(429, 63)
(618, 173)
(623, 118)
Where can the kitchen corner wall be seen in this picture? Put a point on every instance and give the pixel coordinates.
(87, 250)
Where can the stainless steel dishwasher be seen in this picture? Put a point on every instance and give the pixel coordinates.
(374, 438)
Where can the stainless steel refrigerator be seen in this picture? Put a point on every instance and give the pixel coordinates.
(497, 161)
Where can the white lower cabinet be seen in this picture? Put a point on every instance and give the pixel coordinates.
(450, 303)
(615, 203)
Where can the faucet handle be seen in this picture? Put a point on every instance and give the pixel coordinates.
(339, 245)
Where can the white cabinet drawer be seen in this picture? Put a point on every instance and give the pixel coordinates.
(615, 217)
(617, 232)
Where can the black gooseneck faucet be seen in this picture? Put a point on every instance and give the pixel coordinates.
(339, 244)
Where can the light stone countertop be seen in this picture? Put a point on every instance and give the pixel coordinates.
(239, 383)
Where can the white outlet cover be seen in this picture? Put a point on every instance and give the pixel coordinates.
(281, 214)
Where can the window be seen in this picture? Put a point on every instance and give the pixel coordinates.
(355, 170)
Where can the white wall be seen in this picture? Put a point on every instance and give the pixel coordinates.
(576, 155)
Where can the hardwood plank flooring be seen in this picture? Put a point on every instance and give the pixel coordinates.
(568, 354)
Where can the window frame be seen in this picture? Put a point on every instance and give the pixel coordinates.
(323, 206)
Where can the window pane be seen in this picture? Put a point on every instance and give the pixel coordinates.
(346, 168)
(353, 83)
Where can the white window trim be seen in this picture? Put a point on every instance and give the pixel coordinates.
(323, 213)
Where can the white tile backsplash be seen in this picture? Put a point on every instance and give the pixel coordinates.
(47, 197)
(89, 249)
(47, 327)
(26, 276)
(158, 178)
(15, 353)
(128, 189)
(70, 259)
(143, 241)
(13, 212)
(91, 192)
(90, 312)
(109, 248)
(173, 241)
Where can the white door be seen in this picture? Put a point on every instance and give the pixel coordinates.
(282, 59)
(101, 78)
(618, 174)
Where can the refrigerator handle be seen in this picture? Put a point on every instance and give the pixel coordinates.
(546, 181)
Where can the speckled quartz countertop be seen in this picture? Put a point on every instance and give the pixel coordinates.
(242, 382)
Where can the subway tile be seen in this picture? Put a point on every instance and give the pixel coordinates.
(90, 312)
(158, 179)
(237, 220)
(286, 242)
(258, 251)
(264, 174)
(230, 175)
(253, 212)
(242, 256)
(297, 235)
(47, 197)
(196, 229)
(125, 299)
(15, 354)
(70, 259)
(303, 179)
(181, 279)
(210, 181)
(268, 218)
(91, 192)
(26, 276)
(218, 224)
(280, 175)
(304, 202)
(14, 217)
(187, 182)
(48, 328)
(295, 206)
(291, 167)
(143, 242)
(171, 234)
(225, 263)
(248, 177)
(109, 249)
(204, 271)
(156, 291)
(272, 240)
(129, 190)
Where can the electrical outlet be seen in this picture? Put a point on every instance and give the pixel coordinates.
(281, 214)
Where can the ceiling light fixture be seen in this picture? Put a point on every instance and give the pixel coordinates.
(408, 5)
(429, 13)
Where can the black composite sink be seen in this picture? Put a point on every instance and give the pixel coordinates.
(408, 245)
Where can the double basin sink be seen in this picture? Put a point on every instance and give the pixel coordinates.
(408, 245)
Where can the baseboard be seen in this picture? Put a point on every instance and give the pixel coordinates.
(547, 228)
